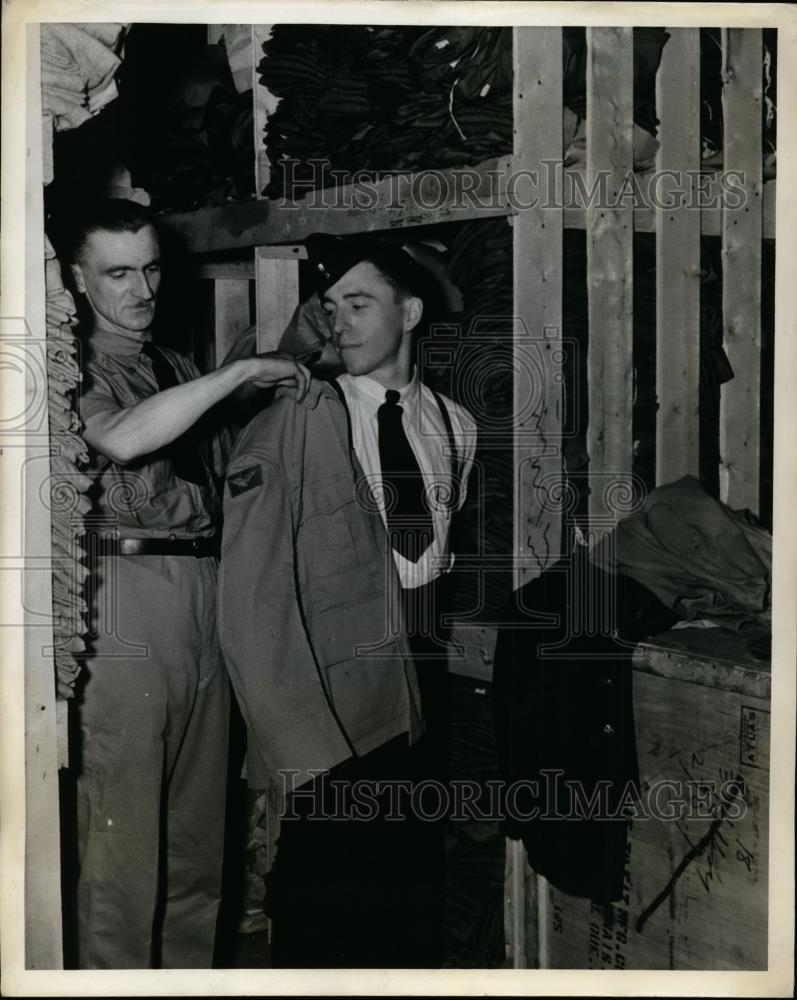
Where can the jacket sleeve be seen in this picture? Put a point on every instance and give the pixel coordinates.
(262, 633)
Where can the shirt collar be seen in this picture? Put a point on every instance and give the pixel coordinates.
(372, 393)
(117, 344)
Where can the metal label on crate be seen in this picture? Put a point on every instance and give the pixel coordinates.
(754, 737)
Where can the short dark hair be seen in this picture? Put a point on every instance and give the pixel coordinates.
(111, 215)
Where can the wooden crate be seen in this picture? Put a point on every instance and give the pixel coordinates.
(695, 887)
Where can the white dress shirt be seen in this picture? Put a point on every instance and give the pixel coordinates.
(428, 438)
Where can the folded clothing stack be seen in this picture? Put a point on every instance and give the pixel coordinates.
(78, 71)
(385, 98)
(68, 485)
(360, 98)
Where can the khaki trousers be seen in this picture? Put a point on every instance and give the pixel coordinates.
(152, 770)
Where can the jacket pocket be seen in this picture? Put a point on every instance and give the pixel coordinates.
(330, 529)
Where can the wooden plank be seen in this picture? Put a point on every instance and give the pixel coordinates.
(540, 891)
(282, 252)
(609, 268)
(741, 285)
(277, 295)
(253, 223)
(678, 261)
(710, 215)
(537, 236)
(62, 732)
(231, 314)
(713, 658)
(388, 203)
(14, 405)
(43, 932)
(515, 915)
(227, 270)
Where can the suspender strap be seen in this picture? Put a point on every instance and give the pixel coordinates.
(456, 464)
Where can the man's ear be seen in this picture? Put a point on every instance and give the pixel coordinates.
(413, 310)
(77, 274)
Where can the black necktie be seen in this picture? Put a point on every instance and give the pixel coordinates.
(408, 518)
(186, 452)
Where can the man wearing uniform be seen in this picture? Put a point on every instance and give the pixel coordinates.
(154, 706)
(337, 515)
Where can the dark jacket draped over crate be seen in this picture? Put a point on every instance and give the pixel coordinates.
(564, 719)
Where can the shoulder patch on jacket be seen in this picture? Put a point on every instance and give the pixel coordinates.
(245, 480)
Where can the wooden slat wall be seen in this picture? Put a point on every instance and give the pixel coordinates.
(741, 285)
(678, 261)
(609, 266)
(43, 935)
(537, 254)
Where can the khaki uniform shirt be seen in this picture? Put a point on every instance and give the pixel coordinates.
(144, 498)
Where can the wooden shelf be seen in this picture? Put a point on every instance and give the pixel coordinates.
(426, 198)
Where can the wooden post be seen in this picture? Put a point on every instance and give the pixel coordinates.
(277, 291)
(537, 236)
(232, 314)
(610, 230)
(537, 253)
(43, 933)
(741, 279)
(678, 259)
(515, 910)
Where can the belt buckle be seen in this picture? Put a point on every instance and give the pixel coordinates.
(195, 547)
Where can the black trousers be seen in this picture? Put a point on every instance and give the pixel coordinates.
(359, 873)
(425, 609)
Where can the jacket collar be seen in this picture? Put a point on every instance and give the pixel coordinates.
(318, 388)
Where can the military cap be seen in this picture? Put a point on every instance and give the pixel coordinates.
(332, 256)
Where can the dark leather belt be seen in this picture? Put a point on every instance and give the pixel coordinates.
(108, 545)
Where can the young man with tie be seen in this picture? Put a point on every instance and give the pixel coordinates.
(153, 710)
(327, 619)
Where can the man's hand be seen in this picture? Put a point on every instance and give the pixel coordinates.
(275, 369)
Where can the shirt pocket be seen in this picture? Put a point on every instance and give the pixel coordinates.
(332, 529)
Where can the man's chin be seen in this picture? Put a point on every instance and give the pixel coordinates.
(352, 366)
(140, 321)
